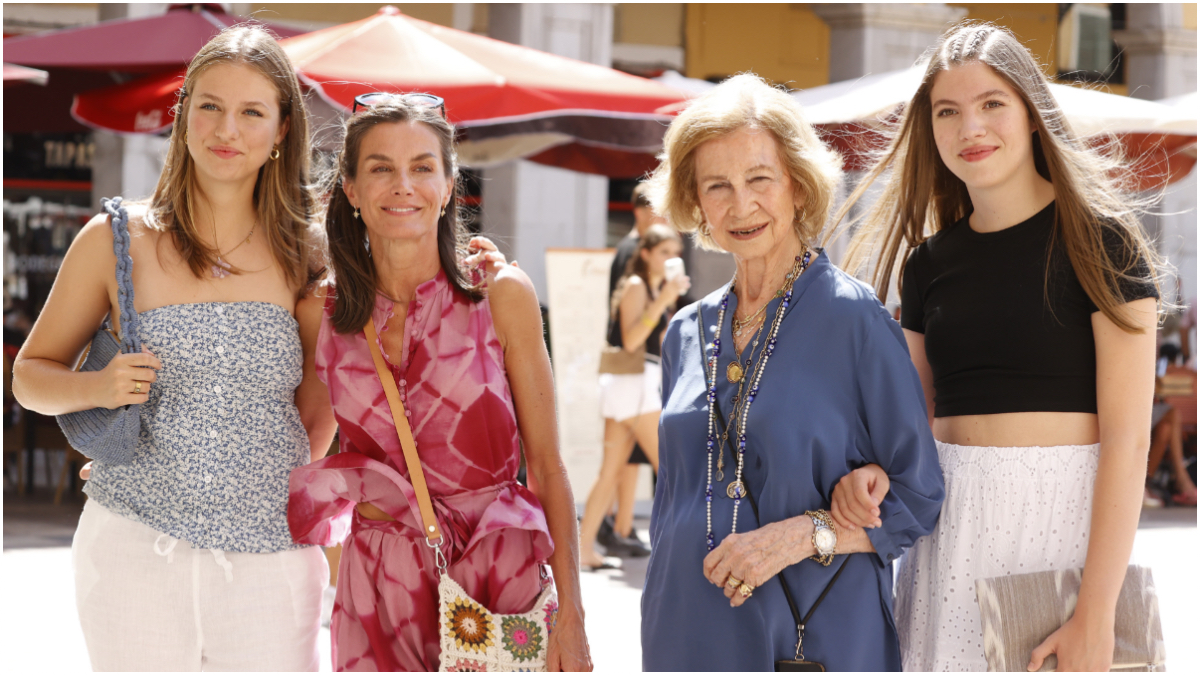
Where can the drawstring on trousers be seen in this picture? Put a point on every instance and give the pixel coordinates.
(169, 554)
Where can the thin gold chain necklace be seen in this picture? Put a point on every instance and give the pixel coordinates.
(222, 268)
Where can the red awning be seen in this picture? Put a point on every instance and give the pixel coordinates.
(144, 44)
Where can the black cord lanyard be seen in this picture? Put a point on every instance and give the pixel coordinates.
(801, 622)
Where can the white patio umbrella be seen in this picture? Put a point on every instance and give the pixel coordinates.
(849, 108)
(1090, 112)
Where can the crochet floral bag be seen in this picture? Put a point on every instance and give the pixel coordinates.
(472, 638)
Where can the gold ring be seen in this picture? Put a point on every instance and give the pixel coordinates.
(137, 386)
(746, 590)
(733, 582)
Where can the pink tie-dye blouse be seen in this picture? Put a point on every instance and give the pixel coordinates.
(454, 386)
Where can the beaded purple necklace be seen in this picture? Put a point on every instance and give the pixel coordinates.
(754, 375)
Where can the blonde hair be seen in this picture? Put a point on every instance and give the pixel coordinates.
(743, 101)
(923, 197)
(282, 196)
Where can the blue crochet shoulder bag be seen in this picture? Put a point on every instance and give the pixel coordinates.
(103, 434)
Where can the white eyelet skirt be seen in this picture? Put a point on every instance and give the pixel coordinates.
(1007, 511)
(150, 602)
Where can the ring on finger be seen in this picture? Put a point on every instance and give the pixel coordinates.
(746, 590)
(733, 582)
(137, 386)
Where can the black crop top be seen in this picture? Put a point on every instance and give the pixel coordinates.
(992, 341)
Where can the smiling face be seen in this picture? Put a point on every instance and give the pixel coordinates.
(400, 184)
(233, 122)
(982, 127)
(746, 193)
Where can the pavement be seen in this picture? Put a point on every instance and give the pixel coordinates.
(41, 633)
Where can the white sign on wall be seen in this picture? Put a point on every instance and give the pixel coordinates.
(577, 285)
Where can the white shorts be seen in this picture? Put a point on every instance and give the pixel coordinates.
(1007, 511)
(625, 396)
(150, 602)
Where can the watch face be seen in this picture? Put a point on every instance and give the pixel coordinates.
(825, 540)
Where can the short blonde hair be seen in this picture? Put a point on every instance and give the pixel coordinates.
(743, 101)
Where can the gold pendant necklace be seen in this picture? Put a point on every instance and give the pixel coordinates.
(734, 372)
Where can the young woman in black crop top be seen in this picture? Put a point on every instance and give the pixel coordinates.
(1029, 305)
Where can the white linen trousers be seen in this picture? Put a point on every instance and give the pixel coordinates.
(148, 601)
(1007, 511)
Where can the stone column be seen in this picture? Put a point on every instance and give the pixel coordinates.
(1160, 54)
(872, 38)
(529, 207)
(126, 166)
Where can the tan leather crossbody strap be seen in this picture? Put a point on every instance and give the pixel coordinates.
(404, 432)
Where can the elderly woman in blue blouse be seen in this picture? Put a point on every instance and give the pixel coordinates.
(775, 387)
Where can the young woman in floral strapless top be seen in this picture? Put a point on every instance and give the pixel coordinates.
(183, 558)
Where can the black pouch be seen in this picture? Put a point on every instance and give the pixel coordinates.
(798, 666)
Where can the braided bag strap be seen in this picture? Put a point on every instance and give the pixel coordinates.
(119, 217)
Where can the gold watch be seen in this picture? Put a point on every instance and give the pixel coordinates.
(824, 536)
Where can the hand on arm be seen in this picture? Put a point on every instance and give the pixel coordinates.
(518, 323)
(1124, 390)
(312, 396)
(857, 496)
(43, 373)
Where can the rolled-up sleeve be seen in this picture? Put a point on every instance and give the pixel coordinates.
(893, 409)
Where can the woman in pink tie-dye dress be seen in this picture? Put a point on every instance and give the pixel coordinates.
(476, 388)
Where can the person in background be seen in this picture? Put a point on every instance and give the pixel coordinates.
(1028, 301)
(619, 538)
(1167, 441)
(642, 303)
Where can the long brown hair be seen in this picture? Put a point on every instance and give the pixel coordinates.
(637, 266)
(922, 197)
(353, 269)
(282, 196)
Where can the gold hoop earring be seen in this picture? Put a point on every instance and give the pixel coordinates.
(356, 213)
(275, 153)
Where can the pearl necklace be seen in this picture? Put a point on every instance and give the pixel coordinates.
(737, 488)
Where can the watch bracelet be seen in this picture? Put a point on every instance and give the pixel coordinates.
(823, 516)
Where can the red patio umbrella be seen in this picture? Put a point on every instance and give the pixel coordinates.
(147, 44)
(508, 101)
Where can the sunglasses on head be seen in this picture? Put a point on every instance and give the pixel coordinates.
(375, 98)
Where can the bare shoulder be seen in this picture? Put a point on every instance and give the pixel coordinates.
(511, 288)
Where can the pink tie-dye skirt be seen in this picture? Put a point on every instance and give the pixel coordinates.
(385, 612)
